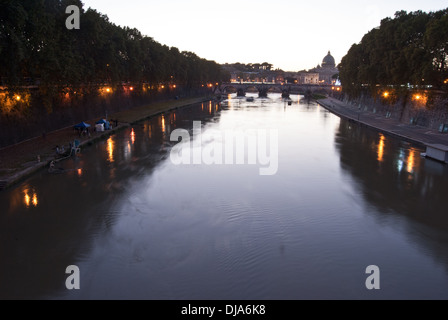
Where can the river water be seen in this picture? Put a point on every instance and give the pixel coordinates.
(338, 198)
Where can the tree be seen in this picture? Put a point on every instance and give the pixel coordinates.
(411, 48)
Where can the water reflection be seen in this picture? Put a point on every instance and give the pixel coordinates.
(407, 195)
(381, 148)
(30, 197)
(110, 149)
(405, 182)
(127, 151)
(132, 136)
(78, 206)
(163, 123)
(140, 227)
(411, 160)
(27, 199)
(148, 128)
(400, 159)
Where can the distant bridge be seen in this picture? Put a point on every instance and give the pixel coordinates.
(264, 88)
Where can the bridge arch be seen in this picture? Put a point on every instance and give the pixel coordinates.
(229, 89)
(251, 89)
(274, 89)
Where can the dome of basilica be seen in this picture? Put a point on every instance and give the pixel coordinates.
(328, 61)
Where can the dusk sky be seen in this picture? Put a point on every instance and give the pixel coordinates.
(292, 35)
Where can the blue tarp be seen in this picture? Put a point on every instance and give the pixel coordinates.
(106, 124)
(82, 125)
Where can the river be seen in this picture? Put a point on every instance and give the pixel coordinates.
(334, 199)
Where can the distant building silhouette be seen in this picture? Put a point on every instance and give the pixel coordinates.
(327, 70)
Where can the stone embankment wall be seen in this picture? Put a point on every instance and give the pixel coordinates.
(426, 109)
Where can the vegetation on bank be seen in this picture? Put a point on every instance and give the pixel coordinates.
(36, 48)
(317, 96)
(407, 51)
(52, 77)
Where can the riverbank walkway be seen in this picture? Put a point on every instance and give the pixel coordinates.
(412, 133)
(23, 159)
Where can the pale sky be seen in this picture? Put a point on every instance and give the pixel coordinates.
(292, 35)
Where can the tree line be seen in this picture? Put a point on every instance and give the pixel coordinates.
(409, 50)
(37, 48)
(52, 77)
(248, 67)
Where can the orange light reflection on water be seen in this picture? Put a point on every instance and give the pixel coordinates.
(132, 136)
(35, 202)
(27, 199)
(411, 160)
(110, 149)
(30, 198)
(381, 148)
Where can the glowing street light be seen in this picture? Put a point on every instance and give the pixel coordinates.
(420, 98)
(385, 94)
(105, 90)
(18, 98)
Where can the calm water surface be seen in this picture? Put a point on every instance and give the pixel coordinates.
(140, 227)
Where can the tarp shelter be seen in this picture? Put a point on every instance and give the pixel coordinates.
(82, 125)
(105, 122)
